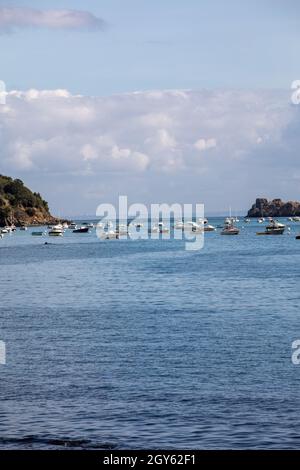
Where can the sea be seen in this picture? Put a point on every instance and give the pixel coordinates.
(141, 344)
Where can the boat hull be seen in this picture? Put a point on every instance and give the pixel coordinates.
(81, 230)
(271, 232)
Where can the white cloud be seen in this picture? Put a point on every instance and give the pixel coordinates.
(203, 144)
(12, 19)
(158, 136)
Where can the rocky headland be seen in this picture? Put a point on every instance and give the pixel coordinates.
(20, 206)
(275, 208)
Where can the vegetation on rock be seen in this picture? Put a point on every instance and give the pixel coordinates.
(19, 205)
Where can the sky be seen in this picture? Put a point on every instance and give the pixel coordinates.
(164, 101)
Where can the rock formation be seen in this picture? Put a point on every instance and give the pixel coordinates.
(275, 208)
(20, 206)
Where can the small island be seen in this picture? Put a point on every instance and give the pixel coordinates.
(20, 206)
(275, 208)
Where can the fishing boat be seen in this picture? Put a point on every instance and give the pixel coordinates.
(274, 228)
(81, 230)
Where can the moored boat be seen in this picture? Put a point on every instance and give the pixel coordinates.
(81, 230)
(56, 231)
(37, 234)
(274, 228)
(230, 230)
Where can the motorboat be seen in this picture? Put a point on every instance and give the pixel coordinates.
(110, 235)
(9, 229)
(274, 228)
(88, 224)
(72, 226)
(179, 225)
(23, 228)
(37, 234)
(261, 220)
(247, 220)
(209, 228)
(229, 228)
(82, 229)
(56, 231)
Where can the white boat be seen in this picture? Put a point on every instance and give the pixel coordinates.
(110, 235)
(261, 220)
(88, 224)
(56, 231)
(9, 229)
(179, 225)
(274, 228)
(209, 228)
(228, 221)
(72, 226)
(23, 227)
(159, 228)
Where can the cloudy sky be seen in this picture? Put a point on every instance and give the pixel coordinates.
(165, 101)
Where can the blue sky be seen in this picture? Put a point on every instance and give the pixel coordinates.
(159, 44)
(225, 133)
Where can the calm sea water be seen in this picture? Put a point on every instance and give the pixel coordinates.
(141, 344)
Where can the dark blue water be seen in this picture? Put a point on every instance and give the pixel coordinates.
(141, 344)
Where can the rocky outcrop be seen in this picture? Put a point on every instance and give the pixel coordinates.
(275, 208)
(20, 206)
